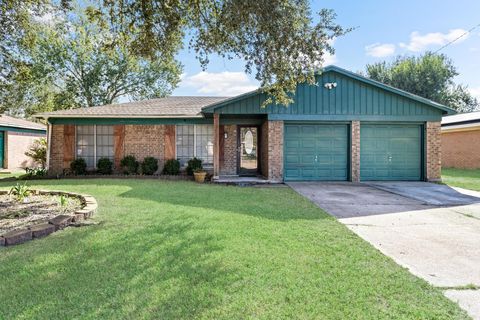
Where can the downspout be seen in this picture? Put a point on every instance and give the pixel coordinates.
(49, 139)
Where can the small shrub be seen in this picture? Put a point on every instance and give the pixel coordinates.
(38, 152)
(104, 166)
(35, 172)
(78, 166)
(193, 164)
(149, 165)
(62, 201)
(20, 191)
(172, 167)
(129, 165)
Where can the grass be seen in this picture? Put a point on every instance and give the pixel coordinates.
(462, 178)
(179, 250)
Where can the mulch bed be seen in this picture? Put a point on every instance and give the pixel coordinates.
(34, 210)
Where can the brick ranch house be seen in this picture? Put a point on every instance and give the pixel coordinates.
(16, 137)
(346, 127)
(461, 141)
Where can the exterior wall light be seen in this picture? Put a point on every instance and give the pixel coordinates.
(330, 85)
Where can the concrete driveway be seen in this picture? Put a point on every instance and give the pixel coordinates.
(431, 229)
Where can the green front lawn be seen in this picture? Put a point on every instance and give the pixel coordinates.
(462, 178)
(178, 250)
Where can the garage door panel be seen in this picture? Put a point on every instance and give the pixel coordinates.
(390, 152)
(320, 154)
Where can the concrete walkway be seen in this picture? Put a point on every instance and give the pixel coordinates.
(433, 230)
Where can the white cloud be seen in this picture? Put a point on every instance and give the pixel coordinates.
(379, 50)
(329, 58)
(420, 42)
(218, 83)
(475, 92)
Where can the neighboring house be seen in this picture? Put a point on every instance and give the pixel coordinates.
(346, 127)
(461, 141)
(16, 137)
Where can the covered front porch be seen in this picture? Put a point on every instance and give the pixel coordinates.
(247, 149)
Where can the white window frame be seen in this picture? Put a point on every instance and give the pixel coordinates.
(95, 160)
(194, 142)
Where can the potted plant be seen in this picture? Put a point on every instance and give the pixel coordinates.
(199, 175)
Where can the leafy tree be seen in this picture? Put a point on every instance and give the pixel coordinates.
(16, 32)
(430, 76)
(281, 41)
(277, 39)
(76, 63)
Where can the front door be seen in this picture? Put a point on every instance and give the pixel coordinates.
(247, 150)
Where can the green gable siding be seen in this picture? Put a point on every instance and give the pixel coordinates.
(352, 99)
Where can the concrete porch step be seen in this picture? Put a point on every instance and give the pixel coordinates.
(240, 181)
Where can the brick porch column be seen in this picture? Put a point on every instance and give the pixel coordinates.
(355, 152)
(275, 150)
(216, 144)
(434, 151)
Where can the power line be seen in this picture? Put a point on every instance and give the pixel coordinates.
(457, 38)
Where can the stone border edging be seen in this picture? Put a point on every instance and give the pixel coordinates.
(89, 207)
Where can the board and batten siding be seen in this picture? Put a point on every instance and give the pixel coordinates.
(350, 100)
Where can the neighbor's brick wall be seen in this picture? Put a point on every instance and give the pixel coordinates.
(56, 150)
(275, 150)
(461, 149)
(355, 152)
(145, 141)
(16, 144)
(434, 151)
(228, 165)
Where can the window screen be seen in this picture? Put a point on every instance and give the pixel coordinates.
(94, 142)
(86, 144)
(204, 143)
(195, 141)
(185, 143)
(105, 142)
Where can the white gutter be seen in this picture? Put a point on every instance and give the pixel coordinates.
(47, 116)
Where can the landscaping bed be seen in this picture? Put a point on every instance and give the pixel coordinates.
(37, 208)
(40, 213)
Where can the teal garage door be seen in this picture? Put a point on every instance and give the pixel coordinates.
(316, 152)
(390, 152)
(2, 148)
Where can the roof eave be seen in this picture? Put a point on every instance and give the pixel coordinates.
(48, 116)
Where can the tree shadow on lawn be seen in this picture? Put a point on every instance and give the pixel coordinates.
(281, 204)
(158, 271)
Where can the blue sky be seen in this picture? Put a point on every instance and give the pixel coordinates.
(384, 29)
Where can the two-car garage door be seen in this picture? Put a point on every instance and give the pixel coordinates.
(321, 152)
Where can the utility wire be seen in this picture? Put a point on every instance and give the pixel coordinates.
(459, 37)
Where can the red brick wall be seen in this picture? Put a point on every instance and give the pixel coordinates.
(275, 151)
(264, 149)
(145, 141)
(434, 151)
(16, 144)
(228, 161)
(56, 150)
(461, 149)
(140, 141)
(355, 152)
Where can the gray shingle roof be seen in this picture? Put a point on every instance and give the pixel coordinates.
(174, 106)
(8, 121)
